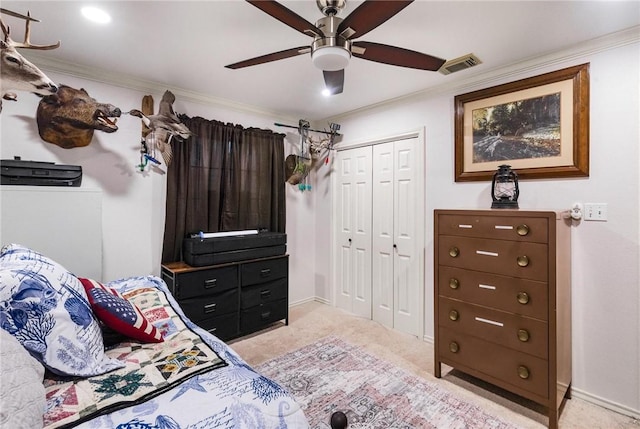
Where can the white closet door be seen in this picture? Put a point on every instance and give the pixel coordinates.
(408, 228)
(353, 221)
(383, 235)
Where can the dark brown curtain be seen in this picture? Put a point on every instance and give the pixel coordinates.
(223, 178)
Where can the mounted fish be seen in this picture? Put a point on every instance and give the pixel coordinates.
(69, 117)
(164, 127)
(16, 72)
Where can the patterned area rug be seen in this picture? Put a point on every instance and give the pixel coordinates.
(332, 375)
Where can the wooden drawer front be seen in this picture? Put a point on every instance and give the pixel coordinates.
(507, 329)
(224, 327)
(262, 293)
(264, 271)
(208, 306)
(532, 229)
(206, 282)
(495, 256)
(506, 365)
(521, 296)
(258, 317)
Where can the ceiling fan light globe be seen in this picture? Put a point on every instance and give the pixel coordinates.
(331, 58)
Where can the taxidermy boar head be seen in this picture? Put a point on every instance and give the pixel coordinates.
(68, 117)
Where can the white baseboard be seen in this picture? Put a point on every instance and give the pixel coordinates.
(311, 299)
(605, 403)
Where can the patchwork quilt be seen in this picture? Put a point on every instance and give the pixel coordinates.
(190, 380)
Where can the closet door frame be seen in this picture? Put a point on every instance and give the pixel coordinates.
(419, 135)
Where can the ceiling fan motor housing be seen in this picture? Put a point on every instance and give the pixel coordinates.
(331, 52)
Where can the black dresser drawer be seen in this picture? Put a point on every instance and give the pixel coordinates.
(206, 282)
(224, 327)
(255, 318)
(264, 271)
(262, 293)
(205, 307)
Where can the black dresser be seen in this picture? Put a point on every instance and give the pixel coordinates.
(232, 299)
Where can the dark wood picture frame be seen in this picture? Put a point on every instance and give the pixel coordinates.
(574, 117)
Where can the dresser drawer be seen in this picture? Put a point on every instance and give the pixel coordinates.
(208, 306)
(255, 318)
(511, 368)
(206, 282)
(224, 327)
(264, 271)
(507, 329)
(510, 258)
(262, 293)
(522, 296)
(533, 229)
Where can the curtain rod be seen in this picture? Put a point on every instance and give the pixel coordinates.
(315, 131)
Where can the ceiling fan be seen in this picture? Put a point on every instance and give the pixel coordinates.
(333, 39)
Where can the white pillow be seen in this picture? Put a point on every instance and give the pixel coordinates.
(46, 309)
(22, 397)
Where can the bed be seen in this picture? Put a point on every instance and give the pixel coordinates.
(147, 367)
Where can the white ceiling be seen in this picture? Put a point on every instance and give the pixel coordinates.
(184, 45)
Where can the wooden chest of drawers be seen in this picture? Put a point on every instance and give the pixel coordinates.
(233, 299)
(503, 300)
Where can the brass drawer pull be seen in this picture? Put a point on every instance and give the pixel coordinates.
(208, 284)
(523, 372)
(454, 283)
(523, 261)
(454, 252)
(523, 298)
(210, 308)
(522, 230)
(454, 347)
(523, 335)
(454, 315)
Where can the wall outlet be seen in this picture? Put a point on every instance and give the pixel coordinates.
(595, 211)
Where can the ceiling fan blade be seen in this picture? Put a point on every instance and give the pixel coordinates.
(287, 16)
(334, 81)
(369, 15)
(397, 56)
(270, 57)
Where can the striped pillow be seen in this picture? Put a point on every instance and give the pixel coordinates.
(118, 313)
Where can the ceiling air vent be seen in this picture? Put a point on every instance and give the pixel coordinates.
(460, 63)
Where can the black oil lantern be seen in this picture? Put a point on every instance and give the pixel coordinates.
(504, 188)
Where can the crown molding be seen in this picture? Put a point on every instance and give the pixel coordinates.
(122, 80)
(528, 66)
(491, 77)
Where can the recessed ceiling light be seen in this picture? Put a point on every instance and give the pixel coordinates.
(326, 92)
(96, 15)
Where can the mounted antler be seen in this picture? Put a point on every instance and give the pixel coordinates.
(17, 73)
(27, 32)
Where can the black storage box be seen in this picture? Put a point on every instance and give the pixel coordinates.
(36, 173)
(198, 252)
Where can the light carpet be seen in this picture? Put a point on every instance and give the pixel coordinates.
(333, 375)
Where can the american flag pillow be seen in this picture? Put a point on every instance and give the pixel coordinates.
(118, 313)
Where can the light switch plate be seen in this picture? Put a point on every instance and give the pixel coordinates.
(595, 211)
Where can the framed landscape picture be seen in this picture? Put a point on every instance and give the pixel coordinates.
(539, 126)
